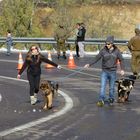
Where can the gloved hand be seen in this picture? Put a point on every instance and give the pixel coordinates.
(59, 67)
(86, 66)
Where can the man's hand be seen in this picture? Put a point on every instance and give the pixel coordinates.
(59, 67)
(86, 66)
(122, 72)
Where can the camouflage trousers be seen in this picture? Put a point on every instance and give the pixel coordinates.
(61, 46)
(135, 62)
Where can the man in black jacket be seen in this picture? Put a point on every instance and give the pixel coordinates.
(76, 43)
(81, 38)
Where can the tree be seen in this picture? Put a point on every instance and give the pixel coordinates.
(17, 15)
(63, 17)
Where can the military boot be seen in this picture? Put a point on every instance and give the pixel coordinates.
(64, 55)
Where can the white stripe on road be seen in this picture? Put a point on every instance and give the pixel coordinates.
(65, 109)
(10, 61)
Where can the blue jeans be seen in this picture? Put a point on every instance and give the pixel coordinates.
(105, 77)
(8, 49)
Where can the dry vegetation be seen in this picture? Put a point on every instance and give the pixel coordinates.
(101, 20)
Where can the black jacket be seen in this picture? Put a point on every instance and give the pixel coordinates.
(81, 34)
(33, 66)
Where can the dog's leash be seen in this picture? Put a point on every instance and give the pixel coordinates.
(79, 71)
(83, 73)
(75, 72)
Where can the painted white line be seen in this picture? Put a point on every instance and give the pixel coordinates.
(65, 109)
(10, 61)
(15, 79)
(0, 97)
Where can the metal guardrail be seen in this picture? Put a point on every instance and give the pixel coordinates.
(88, 41)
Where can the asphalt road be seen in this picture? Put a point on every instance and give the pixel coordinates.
(75, 115)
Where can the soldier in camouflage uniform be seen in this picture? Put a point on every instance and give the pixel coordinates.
(60, 37)
(134, 47)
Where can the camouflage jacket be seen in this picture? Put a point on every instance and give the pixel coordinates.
(134, 43)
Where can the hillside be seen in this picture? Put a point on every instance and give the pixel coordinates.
(101, 19)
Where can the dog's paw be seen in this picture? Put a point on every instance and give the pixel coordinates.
(50, 107)
(45, 107)
(123, 100)
(119, 100)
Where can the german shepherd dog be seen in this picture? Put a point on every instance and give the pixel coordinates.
(124, 88)
(49, 89)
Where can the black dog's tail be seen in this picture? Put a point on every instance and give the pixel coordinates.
(132, 77)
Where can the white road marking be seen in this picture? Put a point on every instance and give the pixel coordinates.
(0, 97)
(10, 61)
(65, 109)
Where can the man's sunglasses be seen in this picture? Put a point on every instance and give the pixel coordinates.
(33, 49)
(108, 43)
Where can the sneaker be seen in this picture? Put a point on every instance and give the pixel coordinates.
(100, 103)
(111, 101)
(77, 57)
(33, 100)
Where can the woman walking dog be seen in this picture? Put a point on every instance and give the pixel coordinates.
(33, 62)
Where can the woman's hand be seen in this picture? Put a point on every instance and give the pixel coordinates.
(18, 76)
(86, 66)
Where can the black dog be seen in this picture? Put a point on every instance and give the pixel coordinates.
(124, 88)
